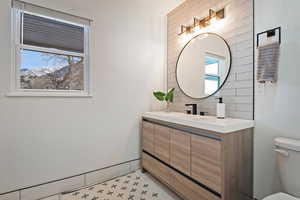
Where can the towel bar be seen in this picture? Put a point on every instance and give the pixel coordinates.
(270, 33)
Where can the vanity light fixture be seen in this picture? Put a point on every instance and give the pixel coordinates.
(220, 14)
(185, 29)
(204, 22)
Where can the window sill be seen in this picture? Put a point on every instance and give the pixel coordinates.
(50, 94)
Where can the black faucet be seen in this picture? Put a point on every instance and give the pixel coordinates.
(194, 108)
(203, 113)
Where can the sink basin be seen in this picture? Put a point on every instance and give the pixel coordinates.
(211, 123)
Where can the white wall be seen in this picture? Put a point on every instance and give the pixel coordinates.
(43, 139)
(277, 110)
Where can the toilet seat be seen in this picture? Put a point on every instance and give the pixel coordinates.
(281, 196)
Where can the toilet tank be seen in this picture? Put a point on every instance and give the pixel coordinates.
(288, 161)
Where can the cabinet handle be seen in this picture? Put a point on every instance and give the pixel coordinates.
(282, 152)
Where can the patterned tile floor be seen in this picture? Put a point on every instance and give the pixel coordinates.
(134, 186)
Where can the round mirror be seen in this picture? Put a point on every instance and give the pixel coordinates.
(203, 65)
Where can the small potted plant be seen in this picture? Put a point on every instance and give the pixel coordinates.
(167, 97)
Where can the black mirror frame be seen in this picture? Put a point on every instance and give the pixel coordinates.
(209, 33)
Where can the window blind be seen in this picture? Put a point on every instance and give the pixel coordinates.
(49, 33)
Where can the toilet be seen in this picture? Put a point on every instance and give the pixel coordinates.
(288, 161)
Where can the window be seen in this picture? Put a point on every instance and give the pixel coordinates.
(212, 75)
(51, 52)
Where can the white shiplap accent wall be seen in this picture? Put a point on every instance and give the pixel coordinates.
(237, 30)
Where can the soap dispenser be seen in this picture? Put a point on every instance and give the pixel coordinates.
(220, 108)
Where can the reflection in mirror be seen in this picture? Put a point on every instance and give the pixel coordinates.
(203, 65)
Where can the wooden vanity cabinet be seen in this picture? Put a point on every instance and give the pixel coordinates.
(199, 164)
(148, 137)
(162, 143)
(206, 161)
(158, 169)
(180, 150)
(183, 186)
(189, 190)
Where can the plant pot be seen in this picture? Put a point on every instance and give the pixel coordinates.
(168, 108)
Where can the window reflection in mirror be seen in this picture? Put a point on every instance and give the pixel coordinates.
(213, 67)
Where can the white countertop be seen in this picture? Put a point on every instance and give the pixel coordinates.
(210, 123)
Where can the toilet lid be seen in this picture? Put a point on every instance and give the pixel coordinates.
(281, 196)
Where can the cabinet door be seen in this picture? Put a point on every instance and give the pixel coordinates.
(206, 161)
(156, 168)
(148, 137)
(180, 157)
(162, 143)
(188, 189)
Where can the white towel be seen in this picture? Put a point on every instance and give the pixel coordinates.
(267, 63)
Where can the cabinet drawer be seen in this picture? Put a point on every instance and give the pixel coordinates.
(162, 143)
(206, 161)
(180, 143)
(148, 137)
(157, 169)
(188, 189)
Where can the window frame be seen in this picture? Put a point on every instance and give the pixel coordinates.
(17, 46)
